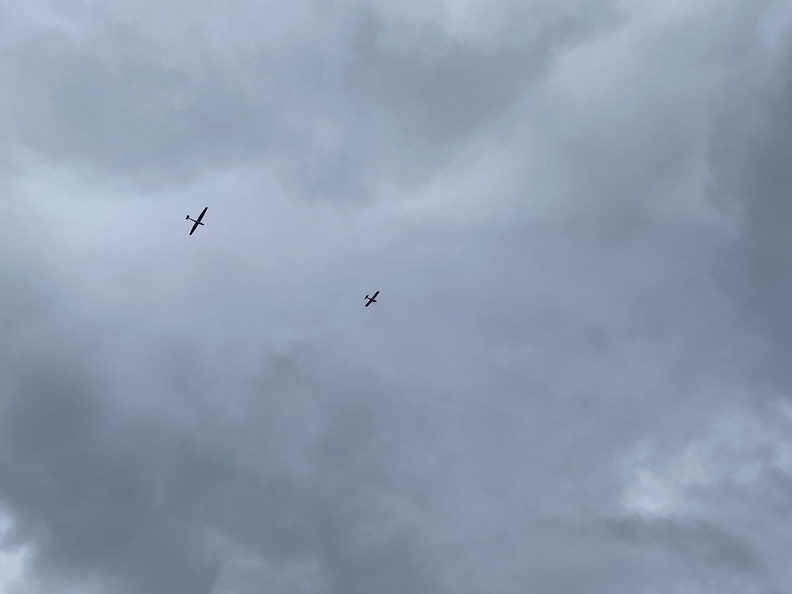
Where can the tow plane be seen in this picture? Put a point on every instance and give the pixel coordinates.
(198, 221)
(372, 299)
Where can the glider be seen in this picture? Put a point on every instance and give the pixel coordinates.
(197, 222)
(372, 299)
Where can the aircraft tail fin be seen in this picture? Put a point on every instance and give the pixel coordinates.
(188, 218)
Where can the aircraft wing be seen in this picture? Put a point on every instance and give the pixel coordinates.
(194, 227)
(200, 216)
(375, 295)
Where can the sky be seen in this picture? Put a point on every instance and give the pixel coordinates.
(577, 376)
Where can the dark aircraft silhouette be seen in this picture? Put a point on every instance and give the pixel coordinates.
(198, 222)
(372, 299)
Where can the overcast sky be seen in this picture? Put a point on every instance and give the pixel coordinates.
(577, 378)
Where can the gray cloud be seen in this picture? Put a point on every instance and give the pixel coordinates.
(137, 502)
(752, 148)
(574, 379)
(365, 100)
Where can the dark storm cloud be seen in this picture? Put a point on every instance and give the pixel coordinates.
(135, 497)
(750, 156)
(702, 540)
(103, 493)
(83, 483)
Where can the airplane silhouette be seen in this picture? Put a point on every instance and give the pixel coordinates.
(372, 299)
(198, 222)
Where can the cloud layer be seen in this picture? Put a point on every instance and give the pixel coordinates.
(577, 376)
